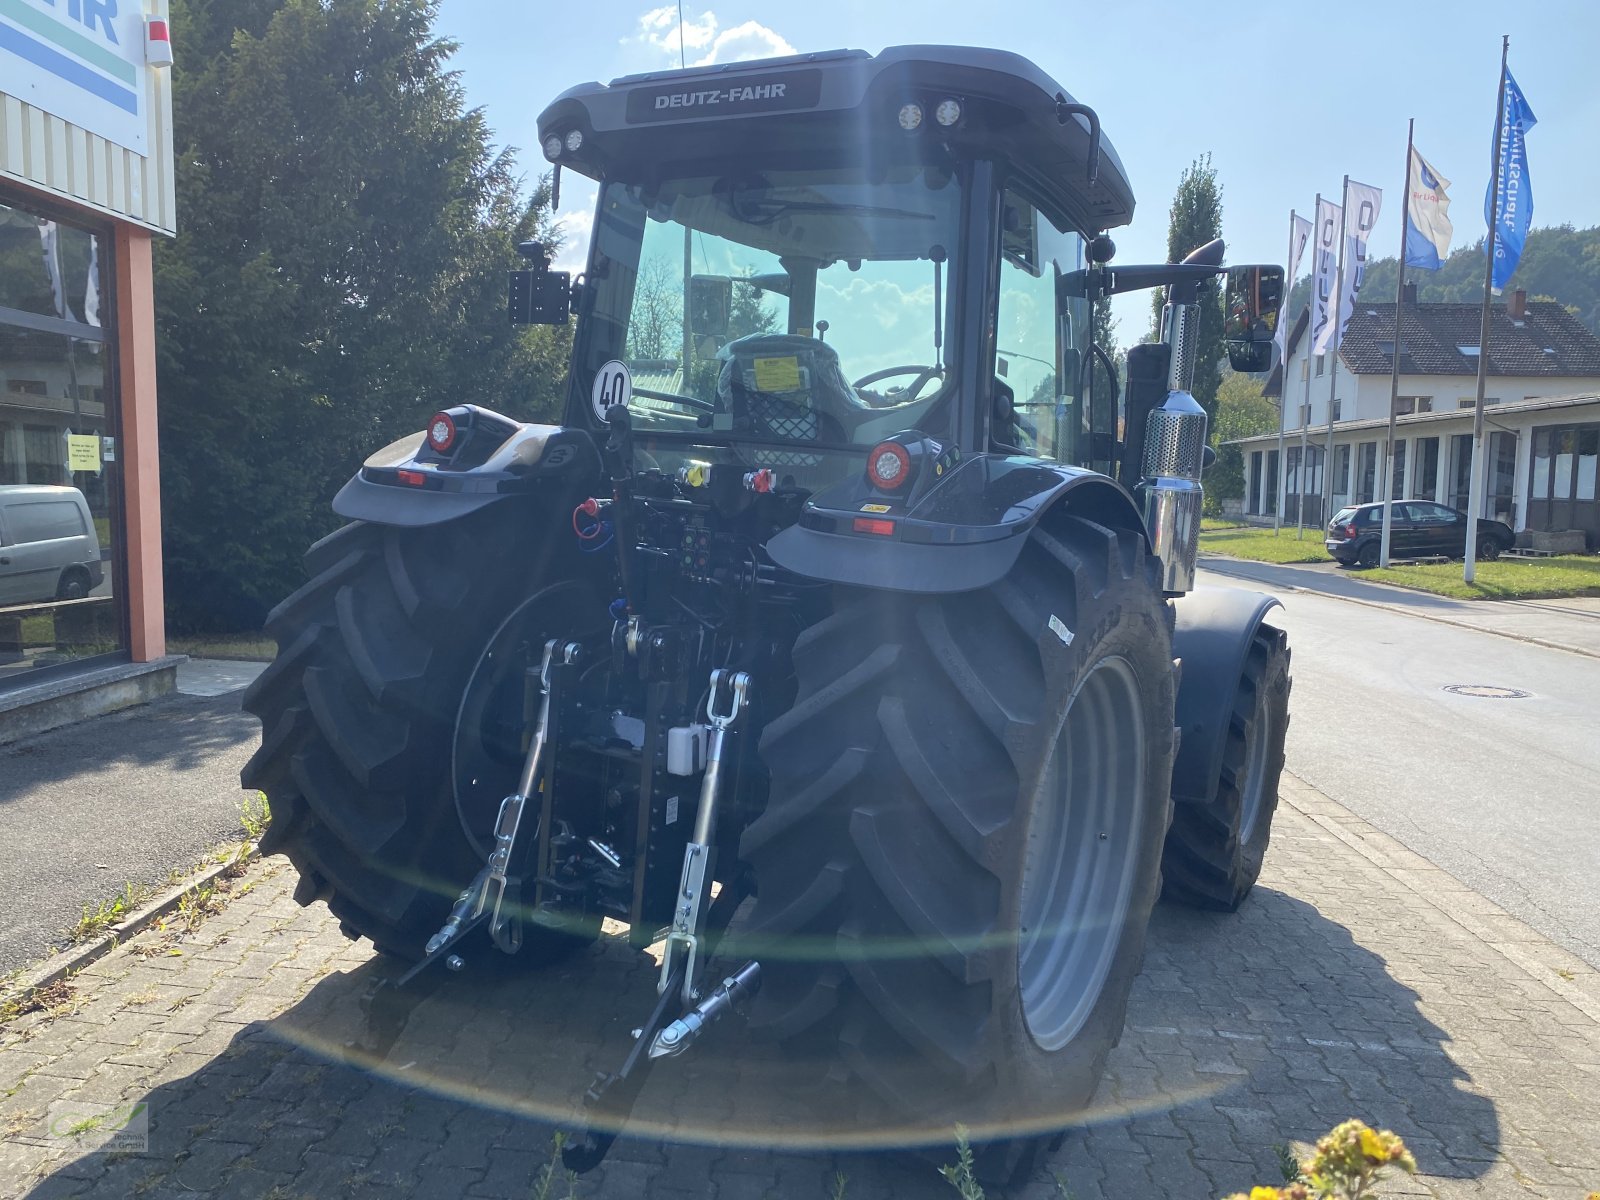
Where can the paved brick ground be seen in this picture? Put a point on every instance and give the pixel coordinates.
(1357, 981)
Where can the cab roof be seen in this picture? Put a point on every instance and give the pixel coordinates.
(842, 106)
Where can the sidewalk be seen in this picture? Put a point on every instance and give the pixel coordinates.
(122, 798)
(1571, 624)
(1357, 981)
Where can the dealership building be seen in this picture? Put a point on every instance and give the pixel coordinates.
(1541, 418)
(86, 185)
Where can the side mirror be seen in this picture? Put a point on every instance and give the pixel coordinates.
(1250, 315)
(710, 306)
(538, 296)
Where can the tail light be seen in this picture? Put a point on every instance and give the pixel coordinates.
(1350, 531)
(888, 466)
(441, 432)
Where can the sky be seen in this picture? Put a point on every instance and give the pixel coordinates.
(1286, 98)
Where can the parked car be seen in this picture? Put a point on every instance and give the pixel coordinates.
(1417, 529)
(48, 546)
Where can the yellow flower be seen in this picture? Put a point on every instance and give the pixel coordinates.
(1372, 1146)
(1265, 1193)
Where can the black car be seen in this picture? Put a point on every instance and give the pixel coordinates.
(1417, 529)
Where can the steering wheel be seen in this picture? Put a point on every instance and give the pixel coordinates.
(923, 375)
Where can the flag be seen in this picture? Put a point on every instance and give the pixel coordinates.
(1511, 211)
(1428, 228)
(1362, 203)
(1324, 272)
(1299, 235)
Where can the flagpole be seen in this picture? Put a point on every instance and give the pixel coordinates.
(1475, 486)
(1305, 409)
(1333, 383)
(1394, 367)
(1283, 394)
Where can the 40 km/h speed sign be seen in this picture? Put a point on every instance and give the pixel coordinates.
(613, 384)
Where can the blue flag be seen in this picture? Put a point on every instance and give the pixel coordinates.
(1511, 211)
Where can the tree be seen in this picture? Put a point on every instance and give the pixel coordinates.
(345, 228)
(1194, 220)
(655, 324)
(1242, 411)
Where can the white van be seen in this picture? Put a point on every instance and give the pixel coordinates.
(48, 546)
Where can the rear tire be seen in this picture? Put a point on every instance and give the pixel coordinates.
(1368, 555)
(74, 584)
(358, 715)
(1214, 851)
(904, 925)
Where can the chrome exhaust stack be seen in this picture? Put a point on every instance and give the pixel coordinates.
(1175, 441)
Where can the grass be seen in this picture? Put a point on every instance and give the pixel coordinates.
(249, 647)
(97, 918)
(1507, 579)
(254, 815)
(1262, 545)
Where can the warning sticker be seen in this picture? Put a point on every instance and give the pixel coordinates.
(83, 452)
(875, 508)
(778, 374)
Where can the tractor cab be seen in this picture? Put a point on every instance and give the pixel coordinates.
(799, 258)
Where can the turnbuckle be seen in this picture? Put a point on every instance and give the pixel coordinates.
(694, 891)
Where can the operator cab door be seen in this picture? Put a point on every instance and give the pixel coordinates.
(1040, 345)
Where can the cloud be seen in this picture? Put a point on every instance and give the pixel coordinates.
(704, 40)
(575, 227)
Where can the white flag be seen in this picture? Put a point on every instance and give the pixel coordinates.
(1428, 228)
(1299, 235)
(1362, 203)
(1324, 272)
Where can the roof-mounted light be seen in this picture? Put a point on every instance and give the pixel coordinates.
(910, 116)
(948, 112)
(552, 147)
(574, 141)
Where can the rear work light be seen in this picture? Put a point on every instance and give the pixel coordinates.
(888, 466)
(441, 432)
(874, 525)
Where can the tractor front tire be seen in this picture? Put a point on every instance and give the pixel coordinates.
(1214, 851)
(961, 849)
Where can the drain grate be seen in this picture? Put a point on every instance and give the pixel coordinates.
(1487, 691)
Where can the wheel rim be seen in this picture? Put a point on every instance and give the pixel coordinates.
(1256, 769)
(1083, 843)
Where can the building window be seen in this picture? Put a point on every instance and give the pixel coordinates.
(1305, 368)
(1427, 485)
(58, 421)
(1291, 469)
(1398, 485)
(1367, 472)
(1467, 349)
(1338, 409)
(1321, 364)
(1341, 470)
(1404, 406)
(1566, 462)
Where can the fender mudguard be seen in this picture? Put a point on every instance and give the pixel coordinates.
(1212, 636)
(406, 484)
(960, 535)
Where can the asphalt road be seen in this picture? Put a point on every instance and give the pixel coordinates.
(1502, 793)
(121, 798)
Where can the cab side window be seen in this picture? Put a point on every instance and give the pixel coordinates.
(1039, 340)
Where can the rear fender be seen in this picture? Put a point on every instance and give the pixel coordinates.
(408, 484)
(1212, 637)
(963, 534)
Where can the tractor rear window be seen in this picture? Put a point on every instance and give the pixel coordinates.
(779, 308)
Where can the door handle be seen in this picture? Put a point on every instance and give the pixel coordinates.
(5, 562)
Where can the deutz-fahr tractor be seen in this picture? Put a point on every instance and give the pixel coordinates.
(841, 644)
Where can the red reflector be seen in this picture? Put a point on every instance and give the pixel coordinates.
(412, 478)
(875, 525)
(157, 30)
(441, 432)
(888, 466)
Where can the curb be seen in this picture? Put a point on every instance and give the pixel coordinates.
(1220, 563)
(1532, 953)
(71, 961)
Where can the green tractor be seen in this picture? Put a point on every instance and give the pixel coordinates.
(843, 638)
